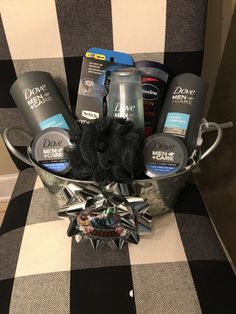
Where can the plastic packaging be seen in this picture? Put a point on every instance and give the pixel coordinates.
(40, 102)
(125, 98)
(183, 108)
(154, 79)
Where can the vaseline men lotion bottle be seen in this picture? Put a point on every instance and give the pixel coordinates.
(40, 102)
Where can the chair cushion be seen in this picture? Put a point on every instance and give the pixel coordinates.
(51, 37)
(179, 268)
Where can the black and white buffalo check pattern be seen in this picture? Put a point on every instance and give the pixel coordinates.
(52, 35)
(180, 267)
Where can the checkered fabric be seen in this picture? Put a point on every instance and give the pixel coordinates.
(178, 268)
(181, 266)
(52, 35)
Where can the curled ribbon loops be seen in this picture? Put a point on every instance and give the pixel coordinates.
(105, 214)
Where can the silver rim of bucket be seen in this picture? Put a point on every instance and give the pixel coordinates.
(28, 160)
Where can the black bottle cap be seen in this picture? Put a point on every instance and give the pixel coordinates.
(153, 69)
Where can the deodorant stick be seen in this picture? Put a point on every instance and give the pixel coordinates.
(183, 108)
(40, 102)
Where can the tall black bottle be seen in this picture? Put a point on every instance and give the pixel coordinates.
(40, 102)
(183, 108)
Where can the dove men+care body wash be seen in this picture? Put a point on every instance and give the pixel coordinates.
(40, 102)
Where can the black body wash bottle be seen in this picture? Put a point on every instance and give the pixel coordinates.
(40, 102)
(183, 108)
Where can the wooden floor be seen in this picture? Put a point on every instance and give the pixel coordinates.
(218, 178)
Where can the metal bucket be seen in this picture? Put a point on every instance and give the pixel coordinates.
(160, 193)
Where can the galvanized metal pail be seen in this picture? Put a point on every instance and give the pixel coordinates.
(160, 193)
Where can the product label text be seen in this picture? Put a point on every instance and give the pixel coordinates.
(37, 96)
(183, 95)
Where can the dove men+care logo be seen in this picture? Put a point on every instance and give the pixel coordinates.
(36, 96)
(183, 95)
(163, 152)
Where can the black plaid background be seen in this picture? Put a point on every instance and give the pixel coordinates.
(52, 35)
(179, 268)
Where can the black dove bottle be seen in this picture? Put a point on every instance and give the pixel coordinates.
(40, 102)
(183, 108)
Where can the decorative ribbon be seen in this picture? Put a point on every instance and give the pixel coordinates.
(105, 214)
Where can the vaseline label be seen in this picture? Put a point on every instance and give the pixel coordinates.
(150, 91)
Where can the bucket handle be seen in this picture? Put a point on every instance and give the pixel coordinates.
(206, 126)
(12, 149)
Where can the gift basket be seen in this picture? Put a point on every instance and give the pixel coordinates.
(125, 154)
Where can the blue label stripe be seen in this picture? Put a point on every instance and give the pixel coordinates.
(177, 120)
(56, 166)
(54, 121)
(161, 169)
